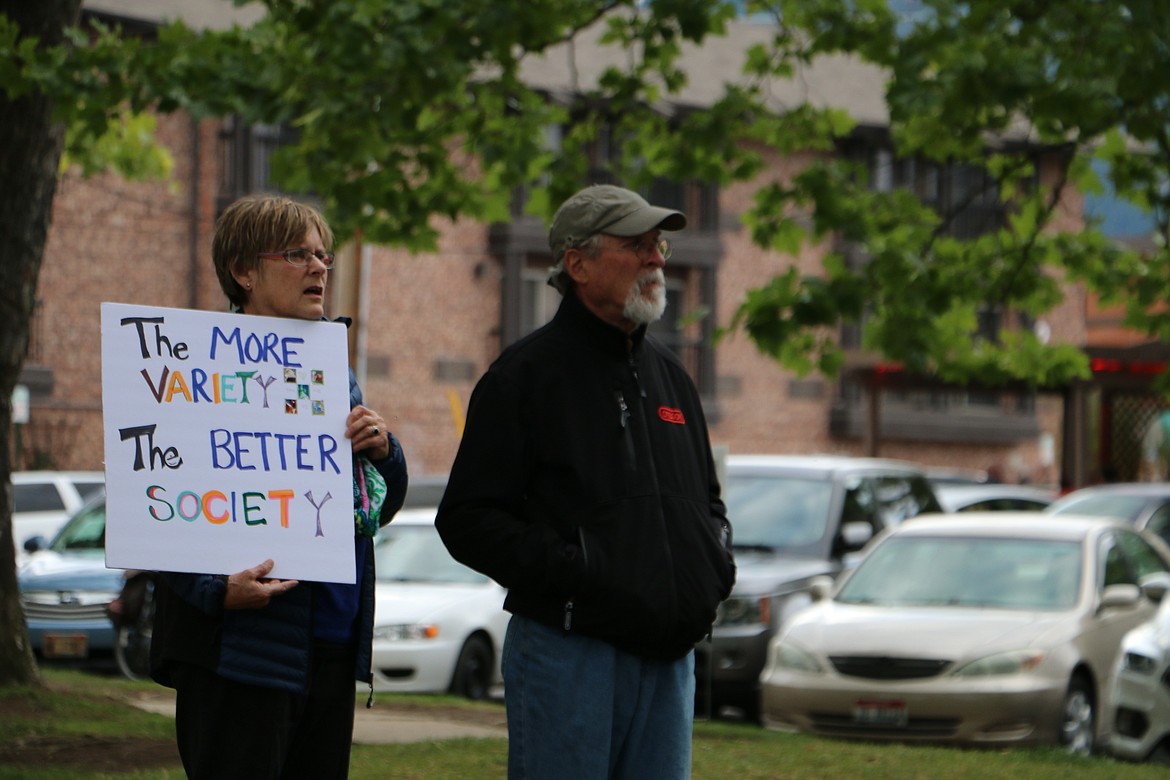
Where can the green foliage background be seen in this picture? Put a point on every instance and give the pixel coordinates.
(409, 112)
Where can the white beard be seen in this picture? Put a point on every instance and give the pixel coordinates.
(641, 310)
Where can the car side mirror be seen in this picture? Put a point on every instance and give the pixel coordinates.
(1156, 585)
(855, 535)
(819, 587)
(35, 543)
(1120, 596)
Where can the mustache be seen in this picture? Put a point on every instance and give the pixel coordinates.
(653, 277)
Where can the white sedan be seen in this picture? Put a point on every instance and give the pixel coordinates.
(438, 625)
(1141, 730)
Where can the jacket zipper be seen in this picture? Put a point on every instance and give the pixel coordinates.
(568, 624)
(633, 364)
(623, 409)
(627, 432)
(649, 461)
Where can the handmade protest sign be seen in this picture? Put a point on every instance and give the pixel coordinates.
(225, 443)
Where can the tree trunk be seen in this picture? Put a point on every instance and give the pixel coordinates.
(30, 151)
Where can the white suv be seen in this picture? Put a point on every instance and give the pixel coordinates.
(44, 500)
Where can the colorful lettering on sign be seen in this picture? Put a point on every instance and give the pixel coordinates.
(218, 507)
(269, 348)
(234, 450)
(203, 387)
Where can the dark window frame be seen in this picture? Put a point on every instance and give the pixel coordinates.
(966, 198)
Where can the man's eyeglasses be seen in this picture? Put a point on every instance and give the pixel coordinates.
(302, 257)
(644, 250)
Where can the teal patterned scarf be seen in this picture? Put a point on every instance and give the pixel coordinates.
(369, 493)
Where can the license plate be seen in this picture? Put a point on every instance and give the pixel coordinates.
(881, 712)
(66, 646)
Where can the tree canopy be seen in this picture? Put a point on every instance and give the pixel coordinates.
(405, 111)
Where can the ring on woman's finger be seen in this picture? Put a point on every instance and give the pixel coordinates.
(374, 430)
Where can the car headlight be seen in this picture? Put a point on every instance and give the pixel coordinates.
(786, 655)
(402, 632)
(1002, 664)
(1138, 663)
(744, 612)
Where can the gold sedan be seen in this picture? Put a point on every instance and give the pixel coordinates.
(996, 629)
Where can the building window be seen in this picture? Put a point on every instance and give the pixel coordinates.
(246, 158)
(964, 195)
(966, 198)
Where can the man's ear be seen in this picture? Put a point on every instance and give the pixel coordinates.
(575, 265)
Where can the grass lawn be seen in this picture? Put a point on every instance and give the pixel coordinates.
(81, 727)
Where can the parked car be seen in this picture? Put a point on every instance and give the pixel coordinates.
(946, 475)
(438, 625)
(132, 615)
(793, 518)
(66, 589)
(983, 629)
(993, 497)
(1145, 504)
(424, 490)
(44, 500)
(1141, 726)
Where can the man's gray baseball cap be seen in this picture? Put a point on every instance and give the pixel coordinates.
(603, 208)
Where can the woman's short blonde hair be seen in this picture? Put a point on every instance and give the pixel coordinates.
(259, 223)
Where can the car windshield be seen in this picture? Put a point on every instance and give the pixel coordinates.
(415, 553)
(1106, 505)
(787, 514)
(84, 533)
(1031, 574)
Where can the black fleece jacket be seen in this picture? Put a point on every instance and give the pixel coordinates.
(585, 485)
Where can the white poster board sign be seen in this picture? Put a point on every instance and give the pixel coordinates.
(225, 443)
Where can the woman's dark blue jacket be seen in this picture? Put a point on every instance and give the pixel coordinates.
(271, 646)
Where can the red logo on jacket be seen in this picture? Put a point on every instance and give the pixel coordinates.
(671, 415)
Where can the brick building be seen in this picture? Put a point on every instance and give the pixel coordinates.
(428, 325)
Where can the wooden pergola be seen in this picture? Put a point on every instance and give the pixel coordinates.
(1133, 370)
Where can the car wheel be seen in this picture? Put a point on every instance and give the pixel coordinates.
(751, 712)
(473, 670)
(1078, 718)
(1161, 754)
(132, 639)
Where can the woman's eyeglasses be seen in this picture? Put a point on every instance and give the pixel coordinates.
(302, 257)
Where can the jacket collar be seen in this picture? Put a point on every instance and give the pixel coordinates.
(573, 315)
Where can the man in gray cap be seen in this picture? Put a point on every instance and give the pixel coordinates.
(585, 484)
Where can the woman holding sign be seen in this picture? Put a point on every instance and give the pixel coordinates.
(263, 668)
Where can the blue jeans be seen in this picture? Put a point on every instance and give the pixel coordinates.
(580, 709)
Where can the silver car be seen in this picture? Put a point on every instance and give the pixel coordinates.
(1144, 504)
(66, 589)
(982, 629)
(993, 497)
(793, 517)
